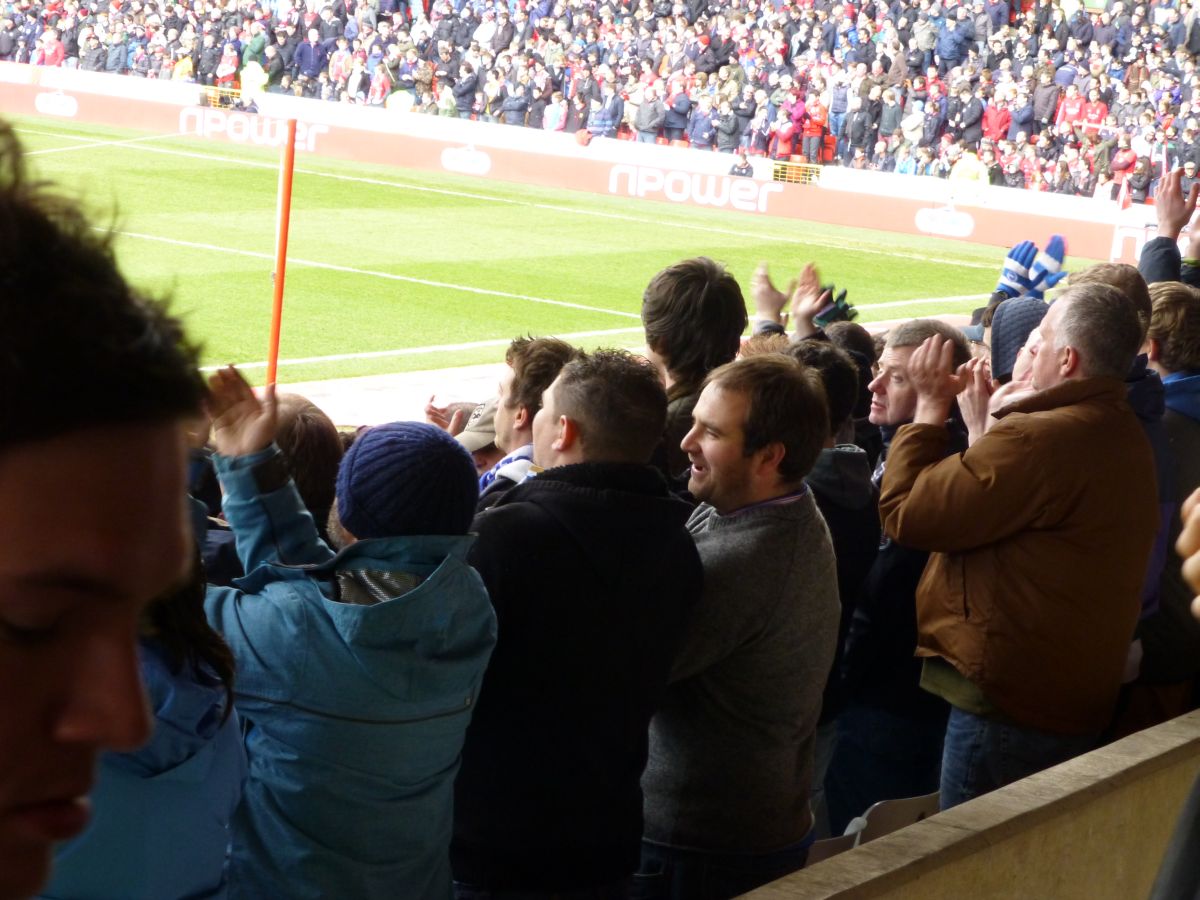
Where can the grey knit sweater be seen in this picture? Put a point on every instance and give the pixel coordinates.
(731, 748)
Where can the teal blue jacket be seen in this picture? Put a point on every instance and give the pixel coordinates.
(160, 815)
(355, 713)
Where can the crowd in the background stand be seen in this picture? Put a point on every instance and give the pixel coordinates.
(1040, 94)
(638, 626)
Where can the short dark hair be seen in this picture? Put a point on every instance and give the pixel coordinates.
(839, 375)
(786, 403)
(1175, 324)
(79, 347)
(694, 315)
(535, 362)
(1126, 279)
(618, 403)
(1102, 326)
(915, 332)
(852, 336)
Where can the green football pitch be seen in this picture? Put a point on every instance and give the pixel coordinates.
(393, 270)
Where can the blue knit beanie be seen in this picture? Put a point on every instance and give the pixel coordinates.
(406, 478)
(1012, 323)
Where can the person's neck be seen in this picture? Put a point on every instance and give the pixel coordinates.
(762, 496)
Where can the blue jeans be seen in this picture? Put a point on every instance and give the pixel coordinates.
(617, 891)
(984, 754)
(674, 873)
(836, 121)
(880, 756)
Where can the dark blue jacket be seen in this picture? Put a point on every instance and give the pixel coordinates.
(700, 129)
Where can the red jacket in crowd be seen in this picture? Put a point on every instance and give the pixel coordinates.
(1094, 115)
(783, 141)
(814, 122)
(1070, 109)
(996, 122)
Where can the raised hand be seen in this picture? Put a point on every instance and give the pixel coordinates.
(768, 300)
(1173, 209)
(974, 398)
(931, 372)
(1188, 546)
(1014, 275)
(1046, 270)
(241, 423)
(807, 301)
(451, 422)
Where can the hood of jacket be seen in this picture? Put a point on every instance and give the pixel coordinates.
(189, 709)
(1183, 393)
(400, 657)
(1145, 391)
(843, 475)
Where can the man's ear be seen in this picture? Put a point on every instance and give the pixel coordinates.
(522, 418)
(1153, 349)
(768, 459)
(566, 437)
(1068, 361)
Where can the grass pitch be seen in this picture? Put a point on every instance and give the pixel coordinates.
(393, 270)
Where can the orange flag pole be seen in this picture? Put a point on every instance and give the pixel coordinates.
(287, 163)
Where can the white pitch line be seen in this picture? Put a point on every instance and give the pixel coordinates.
(707, 229)
(502, 342)
(350, 270)
(919, 300)
(414, 351)
(152, 137)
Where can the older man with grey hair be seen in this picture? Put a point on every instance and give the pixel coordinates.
(1040, 534)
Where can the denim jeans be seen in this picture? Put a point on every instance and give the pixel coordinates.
(836, 128)
(616, 891)
(675, 873)
(880, 756)
(984, 754)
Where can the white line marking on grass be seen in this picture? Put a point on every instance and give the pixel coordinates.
(707, 229)
(124, 143)
(53, 134)
(959, 299)
(414, 351)
(314, 264)
(502, 342)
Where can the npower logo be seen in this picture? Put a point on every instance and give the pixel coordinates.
(944, 221)
(56, 104)
(721, 191)
(244, 128)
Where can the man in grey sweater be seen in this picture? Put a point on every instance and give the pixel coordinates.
(731, 749)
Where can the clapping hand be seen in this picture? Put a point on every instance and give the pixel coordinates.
(808, 299)
(975, 397)
(769, 301)
(453, 423)
(931, 371)
(1171, 207)
(241, 423)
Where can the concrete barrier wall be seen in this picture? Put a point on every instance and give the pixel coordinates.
(1094, 828)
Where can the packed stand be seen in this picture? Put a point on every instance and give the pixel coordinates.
(1095, 103)
(638, 626)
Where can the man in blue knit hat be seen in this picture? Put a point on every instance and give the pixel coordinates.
(357, 670)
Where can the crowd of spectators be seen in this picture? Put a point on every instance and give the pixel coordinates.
(639, 626)
(1044, 95)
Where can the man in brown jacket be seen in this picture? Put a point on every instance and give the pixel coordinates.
(1041, 533)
